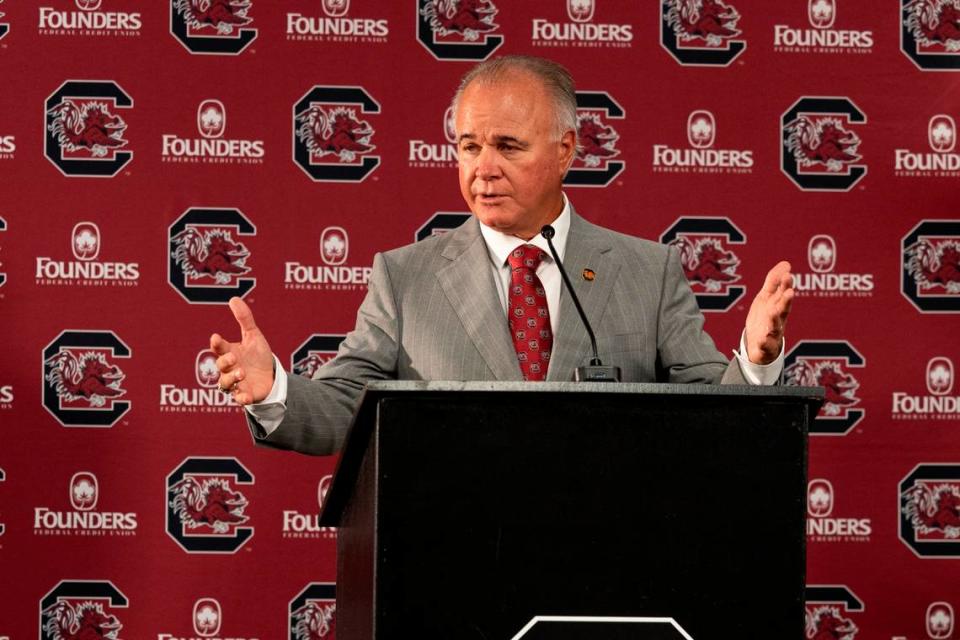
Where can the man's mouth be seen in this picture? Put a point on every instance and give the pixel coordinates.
(491, 198)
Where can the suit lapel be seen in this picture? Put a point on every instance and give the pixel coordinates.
(587, 248)
(467, 281)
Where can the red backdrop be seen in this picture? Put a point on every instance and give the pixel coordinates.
(156, 160)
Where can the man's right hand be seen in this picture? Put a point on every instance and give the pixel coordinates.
(246, 367)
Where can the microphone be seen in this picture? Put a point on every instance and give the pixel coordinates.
(595, 371)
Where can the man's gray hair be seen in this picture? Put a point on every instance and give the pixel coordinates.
(554, 77)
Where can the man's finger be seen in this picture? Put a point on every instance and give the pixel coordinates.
(218, 345)
(776, 276)
(243, 314)
(226, 362)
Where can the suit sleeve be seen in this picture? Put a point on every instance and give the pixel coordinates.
(319, 411)
(685, 352)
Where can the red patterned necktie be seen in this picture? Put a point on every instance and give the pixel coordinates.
(528, 313)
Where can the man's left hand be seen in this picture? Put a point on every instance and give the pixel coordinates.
(768, 315)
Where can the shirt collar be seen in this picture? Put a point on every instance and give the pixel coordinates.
(499, 244)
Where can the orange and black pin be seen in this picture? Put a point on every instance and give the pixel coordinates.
(589, 275)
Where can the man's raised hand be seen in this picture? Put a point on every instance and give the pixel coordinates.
(768, 315)
(246, 367)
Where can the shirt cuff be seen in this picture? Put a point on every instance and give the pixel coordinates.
(269, 412)
(760, 374)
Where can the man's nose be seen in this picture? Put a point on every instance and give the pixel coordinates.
(488, 164)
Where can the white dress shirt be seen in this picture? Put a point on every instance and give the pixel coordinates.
(269, 413)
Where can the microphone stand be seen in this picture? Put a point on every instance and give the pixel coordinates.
(596, 371)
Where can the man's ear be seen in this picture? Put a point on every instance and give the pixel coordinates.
(568, 150)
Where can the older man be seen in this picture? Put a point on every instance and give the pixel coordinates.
(485, 302)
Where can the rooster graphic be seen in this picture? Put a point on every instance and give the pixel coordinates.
(213, 253)
(827, 623)
(90, 126)
(315, 620)
(934, 22)
(711, 20)
(934, 509)
(222, 15)
(211, 503)
(335, 131)
(595, 139)
(840, 387)
(706, 262)
(824, 141)
(935, 265)
(308, 366)
(86, 621)
(89, 377)
(468, 18)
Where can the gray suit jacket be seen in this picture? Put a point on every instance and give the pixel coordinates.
(432, 312)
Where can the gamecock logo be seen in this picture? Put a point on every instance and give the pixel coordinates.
(930, 33)
(700, 32)
(931, 266)
(930, 510)
(212, 27)
(439, 223)
(940, 620)
(207, 617)
(81, 609)
(3, 276)
(205, 513)
(594, 165)
(942, 133)
(313, 612)
(4, 27)
(207, 260)
(826, 612)
(331, 140)
(313, 353)
(819, 152)
(458, 29)
(83, 135)
(825, 364)
(81, 383)
(711, 267)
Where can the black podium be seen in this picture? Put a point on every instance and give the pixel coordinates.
(466, 510)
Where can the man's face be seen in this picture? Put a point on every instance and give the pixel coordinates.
(511, 163)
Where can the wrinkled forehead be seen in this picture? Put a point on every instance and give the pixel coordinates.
(509, 104)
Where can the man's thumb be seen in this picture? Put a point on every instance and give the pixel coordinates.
(243, 314)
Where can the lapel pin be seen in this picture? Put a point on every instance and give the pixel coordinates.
(589, 275)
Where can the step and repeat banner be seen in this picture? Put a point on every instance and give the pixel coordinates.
(158, 158)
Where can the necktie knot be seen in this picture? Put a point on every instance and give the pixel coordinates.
(526, 256)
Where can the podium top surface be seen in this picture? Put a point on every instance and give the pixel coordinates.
(389, 387)
(357, 439)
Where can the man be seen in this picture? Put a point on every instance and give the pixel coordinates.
(485, 302)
